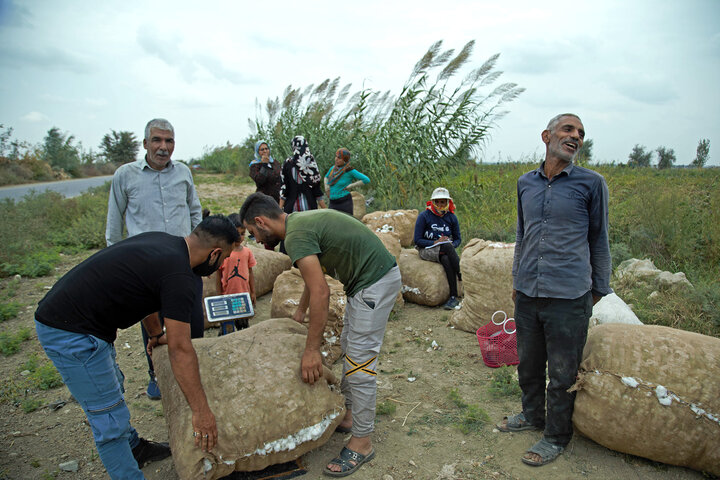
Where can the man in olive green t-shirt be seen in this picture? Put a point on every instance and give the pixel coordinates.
(332, 242)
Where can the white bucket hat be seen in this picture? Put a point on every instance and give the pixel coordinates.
(440, 192)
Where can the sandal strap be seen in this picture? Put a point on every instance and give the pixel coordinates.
(517, 420)
(546, 449)
(346, 457)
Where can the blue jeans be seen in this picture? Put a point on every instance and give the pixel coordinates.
(88, 368)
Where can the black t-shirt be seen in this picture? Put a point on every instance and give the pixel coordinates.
(122, 284)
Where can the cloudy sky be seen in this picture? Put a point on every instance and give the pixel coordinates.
(637, 72)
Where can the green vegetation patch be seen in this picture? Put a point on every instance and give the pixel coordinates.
(386, 408)
(465, 417)
(504, 383)
(9, 310)
(10, 342)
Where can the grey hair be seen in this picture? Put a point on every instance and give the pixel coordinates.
(556, 119)
(160, 124)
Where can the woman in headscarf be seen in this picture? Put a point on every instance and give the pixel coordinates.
(265, 171)
(301, 179)
(437, 235)
(340, 179)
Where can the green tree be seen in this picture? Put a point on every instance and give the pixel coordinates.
(584, 155)
(666, 157)
(703, 151)
(5, 140)
(639, 157)
(119, 147)
(59, 151)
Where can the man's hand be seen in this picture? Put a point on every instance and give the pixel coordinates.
(514, 294)
(184, 364)
(596, 298)
(205, 427)
(299, 315)
(155, 341)
(311, 366)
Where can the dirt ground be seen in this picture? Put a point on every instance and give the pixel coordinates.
(421, 439)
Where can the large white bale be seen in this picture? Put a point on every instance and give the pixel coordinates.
(265, 413)
(652, 391)
(270, 264)
(612, 309)
(645, 271)
(401, 222)
(286, 295)
(424, 282)
(486, 269)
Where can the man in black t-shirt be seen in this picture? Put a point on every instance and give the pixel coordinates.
(119, 286)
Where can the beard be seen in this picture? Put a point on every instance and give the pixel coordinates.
(558, 151)
(267, 238)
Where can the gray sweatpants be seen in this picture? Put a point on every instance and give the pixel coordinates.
(366, 315)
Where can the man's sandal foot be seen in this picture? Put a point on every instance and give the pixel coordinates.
(516, 423)
(345, 462)
(545, 450)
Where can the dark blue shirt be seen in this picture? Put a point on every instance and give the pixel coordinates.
(561, 247)
(429, 227)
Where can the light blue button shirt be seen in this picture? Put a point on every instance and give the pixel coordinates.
(152, 201)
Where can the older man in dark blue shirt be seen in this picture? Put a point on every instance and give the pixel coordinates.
(561, 269)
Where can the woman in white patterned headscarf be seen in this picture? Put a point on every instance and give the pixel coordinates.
(301, 180)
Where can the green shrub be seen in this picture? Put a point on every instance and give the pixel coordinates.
(30, 405)
(9, 310)
(471, 418)
(385, 408)
(504, 383)
(46, 377)
(43, 375)
(10, 343)
(228, 159)
(38, 263)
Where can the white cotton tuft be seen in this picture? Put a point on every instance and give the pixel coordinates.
(630, 382)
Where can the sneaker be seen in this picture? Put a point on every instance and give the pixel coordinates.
(147, 451)
(153, 390)
(452, 304)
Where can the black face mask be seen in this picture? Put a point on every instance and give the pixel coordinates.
(205, 269)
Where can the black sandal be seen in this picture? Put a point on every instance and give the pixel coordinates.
(516, 423)
(547, 452)
(345, 461)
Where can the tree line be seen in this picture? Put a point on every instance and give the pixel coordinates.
(60, 156)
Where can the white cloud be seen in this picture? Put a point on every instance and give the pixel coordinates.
(35, 117)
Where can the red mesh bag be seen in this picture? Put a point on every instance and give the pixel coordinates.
(498, 342)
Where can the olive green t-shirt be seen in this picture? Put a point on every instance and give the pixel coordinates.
(347, 249)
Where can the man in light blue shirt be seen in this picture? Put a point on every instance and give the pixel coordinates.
(560, 270)
(155, 194)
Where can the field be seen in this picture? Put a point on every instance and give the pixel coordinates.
(439, 426)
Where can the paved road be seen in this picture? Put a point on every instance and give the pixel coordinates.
(69, 188)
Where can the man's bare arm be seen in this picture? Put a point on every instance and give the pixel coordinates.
(184, 363)
(319, 298)
(300, 312)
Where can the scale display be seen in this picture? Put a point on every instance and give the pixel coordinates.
(227, 307)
